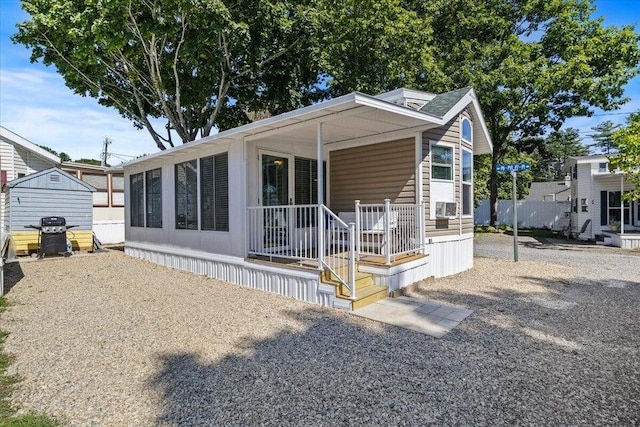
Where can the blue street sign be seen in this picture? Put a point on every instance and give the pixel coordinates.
(514, 167)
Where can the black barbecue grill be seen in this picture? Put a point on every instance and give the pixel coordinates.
(52, 236)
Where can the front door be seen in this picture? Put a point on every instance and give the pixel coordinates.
(276, 191)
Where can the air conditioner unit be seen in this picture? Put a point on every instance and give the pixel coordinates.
(446, 209)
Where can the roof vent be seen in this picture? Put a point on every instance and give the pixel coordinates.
(54, 177)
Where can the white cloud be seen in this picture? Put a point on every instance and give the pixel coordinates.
(36, 104)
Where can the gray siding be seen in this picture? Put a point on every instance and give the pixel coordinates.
(450, 133)
(28, 205)
(44, 181)
(372, 173)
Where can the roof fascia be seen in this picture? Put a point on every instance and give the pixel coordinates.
(15, 182)
(470, 98)
(13, 137)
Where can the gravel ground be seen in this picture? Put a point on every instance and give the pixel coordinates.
(106, 339)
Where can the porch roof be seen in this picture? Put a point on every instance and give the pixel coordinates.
(347, 119)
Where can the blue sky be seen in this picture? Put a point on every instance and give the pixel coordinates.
(35, 103)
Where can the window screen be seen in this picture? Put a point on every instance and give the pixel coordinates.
(186, 187)
(154, 198)
(137, 199)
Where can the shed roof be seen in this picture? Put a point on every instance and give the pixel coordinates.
(21, 182)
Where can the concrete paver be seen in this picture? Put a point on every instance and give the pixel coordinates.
(426, 317)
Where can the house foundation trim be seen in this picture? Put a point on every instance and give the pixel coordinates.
(298, 284)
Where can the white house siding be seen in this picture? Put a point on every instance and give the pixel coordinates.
(27, 162)
(450, 255)
(221, 242)
(582, 189)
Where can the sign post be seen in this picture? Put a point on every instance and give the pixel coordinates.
(514, 198)
(513, 169)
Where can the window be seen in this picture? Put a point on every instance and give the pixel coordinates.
(467, 134)
(186, 181)
(602, 167)
(615, 212)
(153, 190)
(441, 162)
(101, 184)
(214, 192)
(117, 188)
(574, 172)
(137, 199)
(612, 209)
(467, 182)
(306, 188)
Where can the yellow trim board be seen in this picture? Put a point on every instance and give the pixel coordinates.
(26, 242)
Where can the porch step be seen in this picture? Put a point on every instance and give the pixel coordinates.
(366, 292)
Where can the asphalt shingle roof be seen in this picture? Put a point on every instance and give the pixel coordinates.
(441, 104)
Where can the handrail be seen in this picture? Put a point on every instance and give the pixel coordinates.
(341, 240)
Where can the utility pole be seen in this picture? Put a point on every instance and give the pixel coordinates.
(105, 152)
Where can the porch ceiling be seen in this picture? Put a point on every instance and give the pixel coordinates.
(351, 124)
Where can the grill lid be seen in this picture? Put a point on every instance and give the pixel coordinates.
(57, 221)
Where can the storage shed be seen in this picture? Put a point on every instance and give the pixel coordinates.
(51, 192)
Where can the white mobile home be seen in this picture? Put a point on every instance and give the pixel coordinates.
(597, 205)
(337, 203)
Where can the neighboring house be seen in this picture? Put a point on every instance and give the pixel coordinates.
(50, 192)
(18, 158)
(551, 191)
(338, 203)
(596, 197)
(108, 199)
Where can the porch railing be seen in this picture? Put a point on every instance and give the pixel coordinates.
(389, 230)
(288, 231)
(336, 242)
(304, 232)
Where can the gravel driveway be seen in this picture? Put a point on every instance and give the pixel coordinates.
(106, 339)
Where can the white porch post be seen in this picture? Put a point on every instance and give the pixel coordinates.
(621, 204)
(320, 173)
(387, 231)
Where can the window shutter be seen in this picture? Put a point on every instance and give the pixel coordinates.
(303, 181)
(604, 219)
(221, 182)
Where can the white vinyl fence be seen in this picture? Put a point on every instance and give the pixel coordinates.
(109, 232)
(531, 214)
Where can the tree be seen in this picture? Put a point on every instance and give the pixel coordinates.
(199, 64)
(64, 157)
(375, 46)
(94, 162)
(627, 139)
(602, 136)
(482, 175)
(532, 63)
(552, 154)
